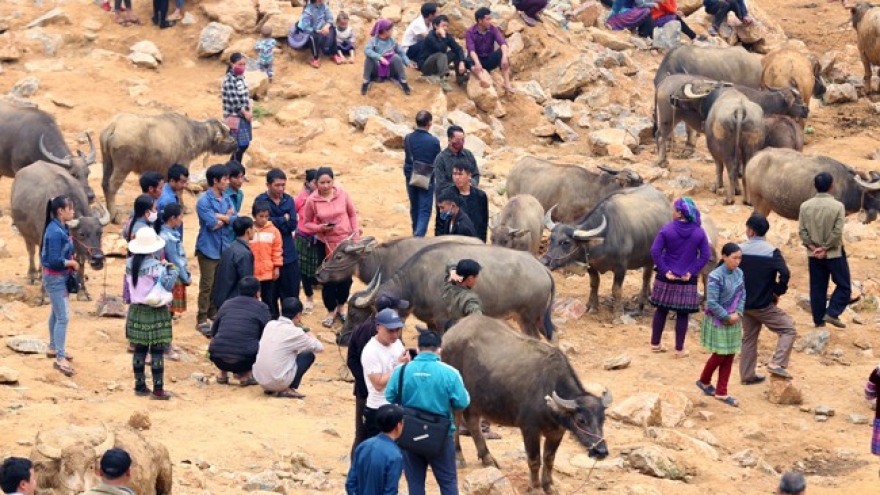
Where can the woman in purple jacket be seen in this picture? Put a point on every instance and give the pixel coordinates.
(680, 251)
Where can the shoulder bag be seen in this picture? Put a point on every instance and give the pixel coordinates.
(422, 172)
(158, 297)
(424, 433)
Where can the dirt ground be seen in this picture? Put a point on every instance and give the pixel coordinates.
(238, 432)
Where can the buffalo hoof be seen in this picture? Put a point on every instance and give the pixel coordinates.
(728, 201)
(662, 164)
(747, 203)
(489, 461)
(714, 188)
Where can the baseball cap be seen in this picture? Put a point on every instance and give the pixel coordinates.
(389, 319)
(389, 301)
(467, 267)
(115, 463)
(429, 339)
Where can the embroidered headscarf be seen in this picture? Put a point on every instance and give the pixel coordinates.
(688, 210)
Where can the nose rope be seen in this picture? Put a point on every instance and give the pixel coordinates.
(585, 432)
(565, 256)
(89, 249)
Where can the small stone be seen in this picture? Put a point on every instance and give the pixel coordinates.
(668, 36)
(265, 481)
(642, 409)
(147, 47)
(784, 391)
(54, 16)
(857, 419)
(660, 463)
(610, 39)
(618, 363)
(357, 116)
(330, 431)
(487, 481)
(140, 420)
(813, 342)
(568, 135)
(805, 408)
(559, 109)
(143, 60)
(820, 418)
(840, 93)
(27, 344)
(213, 39)
(8, 375)
(745, 458)
(824, 410)
(705, 415)
(26, 87)
(188, 19)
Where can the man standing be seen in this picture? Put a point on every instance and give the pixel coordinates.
(420, 146)
(377, 464)
(435, 387)
(17, 476)
(286, 352)
(472, 199)
(283, 216)
(454, 153)
(216, 215)
(381, 355)
(820, 226)
(115, 471)
(766, 276)
(451, 220)
(439, 50)
(417, 30)
(480, 40)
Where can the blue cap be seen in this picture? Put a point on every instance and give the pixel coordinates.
(389, 319)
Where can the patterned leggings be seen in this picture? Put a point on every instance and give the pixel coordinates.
(157, 367)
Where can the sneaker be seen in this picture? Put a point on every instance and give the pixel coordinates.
(461, 79)
(754, 380)
(160, 395)
(365, 87)
(315, 62)
(406, 89)
(780, 372)
(167, 24)
(145, 392)
(444, 84)
(834, 321)
(713, 30)
(338, 59)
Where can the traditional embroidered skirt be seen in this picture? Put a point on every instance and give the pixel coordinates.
(311, 254)
(629, 19)
(178, 303)
(675, 296)
(147, 325)
(875, 438)
(719, 338)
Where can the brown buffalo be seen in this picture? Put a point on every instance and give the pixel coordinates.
(782, 132)
(734, 133)
(866, 21)
(790, 67)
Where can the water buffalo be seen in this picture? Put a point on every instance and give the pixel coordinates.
(511, 284)
(780, 180)
(782, 132)
(519, 225)
(138, 143)
(866, 21)
(734, 133)
(517, 381)
(616, 235)
(732, 64)
(790, 67)
(29, 135)
(34, 185)
(572, 189)
(688, 98)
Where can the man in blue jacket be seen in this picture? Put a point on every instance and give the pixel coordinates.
(283, 216)
(421, 146)
(435, 387)
(377, 462)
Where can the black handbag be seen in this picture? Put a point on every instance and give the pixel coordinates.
(422, 172)
(73, 282)
(424, 433)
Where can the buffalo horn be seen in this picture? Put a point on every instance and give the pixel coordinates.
(870, 186)
(548, 218)
(352, 248)
(104, 217)
(369, 293)
(107, 444)
(73, 223)
(50, 452)
(565, 404)
(59, 161)
(606, 168)
(600, 391)
(90, 158)
(583, 235)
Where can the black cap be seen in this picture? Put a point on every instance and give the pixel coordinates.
(386, 300)
(467, 267)
(115, 463)
(429, 340)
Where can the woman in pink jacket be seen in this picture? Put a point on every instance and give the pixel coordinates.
(330, 213)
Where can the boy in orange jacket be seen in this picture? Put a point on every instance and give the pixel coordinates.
(266, 246)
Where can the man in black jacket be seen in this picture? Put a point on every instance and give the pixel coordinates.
(452, 220)
(283, 216)
(439, 49)
(766, 278)
(472, 199)
(236, 333)
(236, 262)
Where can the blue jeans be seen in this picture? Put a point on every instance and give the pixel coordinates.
(420, 202)
(415, 467)
(59, 317)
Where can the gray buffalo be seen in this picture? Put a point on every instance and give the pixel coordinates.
(780, 180)
(732, 64)
(29, 135)
(782, 132)
(511, 284)
(519, 225)
(570, 188)
(734, 133)
(517, 381)
(616, 235)
(138, 143)
(689, 98)
(33, 187)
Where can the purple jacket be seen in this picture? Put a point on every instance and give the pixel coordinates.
(681, 248)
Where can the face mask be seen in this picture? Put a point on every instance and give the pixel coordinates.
(238, 70)
(152, 216)
(445, 215)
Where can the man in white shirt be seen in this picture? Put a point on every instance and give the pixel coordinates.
(286, 352)
(380, 356)
(417, 30)
(17, 476)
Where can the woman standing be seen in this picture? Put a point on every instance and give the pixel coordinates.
(680, 251)
(330, 213)
(148, 325)
(56, 256)
(144, 215)
(308, 247)
(237, 110)
(632, 14)
(721, 331)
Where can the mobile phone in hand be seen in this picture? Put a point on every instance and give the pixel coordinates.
(331, 224)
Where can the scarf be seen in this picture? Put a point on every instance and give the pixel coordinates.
(688, 210)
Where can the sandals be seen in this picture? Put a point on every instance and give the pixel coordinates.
(290, 394)
(308, 307)
(64, 369)
(341, 317)
(328, 321)
(729, 400)
(707, 389)
(54, 354)
(247, 383)
(681, 354)
(223, 380)
(658, 348)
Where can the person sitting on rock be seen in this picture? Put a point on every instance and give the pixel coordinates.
(344, 40)
(315, 30)
(480, 40)
(530, 10)
(452, 220)
(666, 11)
(632, 14)
(438, 50)
(236, 333)
(720, 9)
(417, 30)
(384, 57)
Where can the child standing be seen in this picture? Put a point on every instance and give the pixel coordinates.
(344, 40)
(266, 246)
(871, 389)
(168, 225)
(721, 331)
(266, 51)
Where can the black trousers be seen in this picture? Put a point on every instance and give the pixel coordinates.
(287, 284)
(335, 294)
(371, 428)
(837, 269)
(267, 295)
(722, 8)
(360, 429)
(160, 11)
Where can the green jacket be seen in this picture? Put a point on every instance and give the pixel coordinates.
(460, 301)
(821, 224)
(105, 489)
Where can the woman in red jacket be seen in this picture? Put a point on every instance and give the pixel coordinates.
(666, 11)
